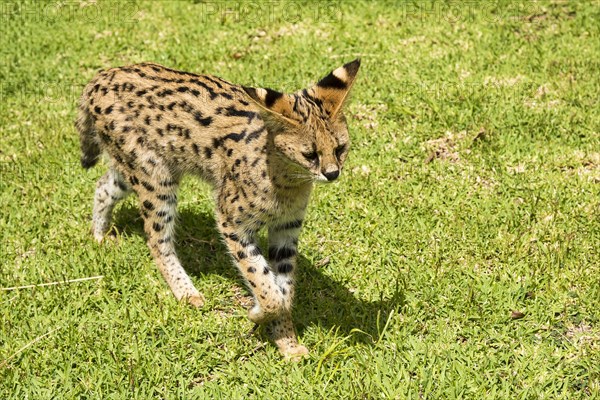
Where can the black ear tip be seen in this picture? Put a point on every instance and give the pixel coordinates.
(352, 67)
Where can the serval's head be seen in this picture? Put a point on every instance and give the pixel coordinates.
(308, 127)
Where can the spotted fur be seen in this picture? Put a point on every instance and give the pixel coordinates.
(261, 150)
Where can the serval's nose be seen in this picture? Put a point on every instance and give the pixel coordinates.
(332, 174)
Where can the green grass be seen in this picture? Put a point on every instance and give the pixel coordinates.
(471, 195)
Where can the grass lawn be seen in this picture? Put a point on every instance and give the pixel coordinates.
(457, 257)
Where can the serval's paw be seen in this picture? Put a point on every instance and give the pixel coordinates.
(295, 352)
(101, 236)
(197, 300)
(260, 315)
(268, 308)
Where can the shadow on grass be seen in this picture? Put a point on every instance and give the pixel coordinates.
(319, 301)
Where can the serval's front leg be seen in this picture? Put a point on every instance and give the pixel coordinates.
(283, 243)
(269, 301)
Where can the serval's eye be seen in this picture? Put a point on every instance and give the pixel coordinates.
(311, 156)
(340, 150)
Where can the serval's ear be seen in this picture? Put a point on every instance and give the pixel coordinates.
(335, 87)
(279, 105)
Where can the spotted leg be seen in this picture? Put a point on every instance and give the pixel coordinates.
(157, 192)
(110, 189)
(283, 242)
(269, 301)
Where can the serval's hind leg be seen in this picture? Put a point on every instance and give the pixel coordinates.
(110, 189)
(157, 193)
